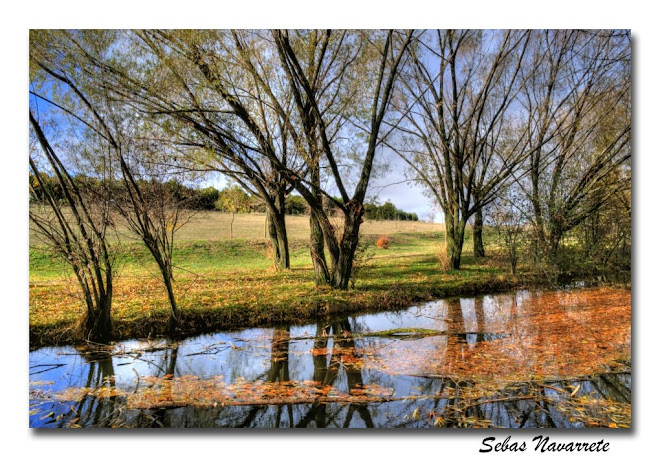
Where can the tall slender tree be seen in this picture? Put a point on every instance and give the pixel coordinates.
(68, 58)
(73, 215)
(576, 107)
(458, 102)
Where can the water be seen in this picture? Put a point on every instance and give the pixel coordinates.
(525, 359)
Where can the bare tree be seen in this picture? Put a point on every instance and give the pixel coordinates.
(193, 85)
(307, 73)
(78, 229)
(577, 110)
(152, 210)
(508, 216)
(74, 216)
(250, 112)
(458, 102)
(605, 236)
(68, 59)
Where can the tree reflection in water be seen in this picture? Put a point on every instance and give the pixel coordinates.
(428, 372)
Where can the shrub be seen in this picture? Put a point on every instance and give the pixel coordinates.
(383, 242)
(295, 204)
(443, 258)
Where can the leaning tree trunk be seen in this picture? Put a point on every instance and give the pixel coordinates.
(477, 236)
(174, 311)
(165, 268)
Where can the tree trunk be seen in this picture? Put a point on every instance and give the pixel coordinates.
(272, 235)
(556, 234)
(454, 237)
(282, 242)
(539, 225)
(278, 237)
(477, 239)
(174, 311)
(96, 324)
(316, 243)
(231, 225)
(317, 252)
(343, 268)
(165, 268)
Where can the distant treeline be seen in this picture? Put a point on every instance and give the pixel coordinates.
(187, 197)
(387, 211)
(231, 199)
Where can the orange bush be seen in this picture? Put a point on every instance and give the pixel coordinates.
(383, 242)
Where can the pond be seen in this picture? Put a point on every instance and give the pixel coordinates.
(523, 359)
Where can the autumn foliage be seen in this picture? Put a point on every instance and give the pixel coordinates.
(383, 242)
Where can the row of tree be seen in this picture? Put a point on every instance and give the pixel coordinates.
(387, 212)
(188, 197)
(231, 199)
(537, 120)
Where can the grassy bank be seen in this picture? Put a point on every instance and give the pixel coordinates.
(222, 284)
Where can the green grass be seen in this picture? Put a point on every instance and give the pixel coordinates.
(222, 283)
(204, 244)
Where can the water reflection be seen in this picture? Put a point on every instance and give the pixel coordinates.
(421, 382)
(90, 411)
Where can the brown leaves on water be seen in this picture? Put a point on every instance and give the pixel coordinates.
(350, 357)
(170, 392)
(529, 347)
(550, 335)
(596, 412)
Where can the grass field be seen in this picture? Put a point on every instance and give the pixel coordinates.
(207, 242)
(216, 226)
(222, 283)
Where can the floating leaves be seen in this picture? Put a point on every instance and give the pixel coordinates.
(549, 335)
(170, 392)
(491, 361)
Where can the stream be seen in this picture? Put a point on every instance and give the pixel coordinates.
(522, 359)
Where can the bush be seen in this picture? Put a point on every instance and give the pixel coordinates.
(443, 258)
(383, 242)
(233, 199)
(295, 204)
